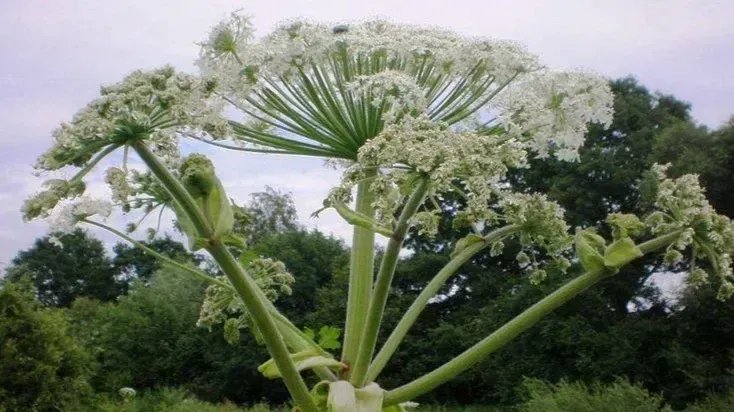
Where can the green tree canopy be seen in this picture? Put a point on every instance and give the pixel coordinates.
(65, 267)
(42, 368)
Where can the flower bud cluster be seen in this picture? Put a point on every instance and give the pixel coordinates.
(144, 105)
(41, 204)
(681, 205)
(223, 305)
(543, 231)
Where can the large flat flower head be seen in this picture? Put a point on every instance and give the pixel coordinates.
(325, 89)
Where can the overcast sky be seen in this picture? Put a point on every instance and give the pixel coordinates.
(54, 54)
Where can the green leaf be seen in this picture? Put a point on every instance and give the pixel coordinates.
(247, 257)
(329, 337)
(310, 333)
(303, 360)
(620, 253)
(589, 248)
(233, 240)
(465, 242)
(625, 225)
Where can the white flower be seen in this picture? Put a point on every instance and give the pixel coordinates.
(682, 206)
(338, 86)
(66, 219)
(551, 110)
(144, 105)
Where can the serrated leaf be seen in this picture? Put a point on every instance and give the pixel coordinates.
(303, 360)
(621, 252)
(589, 249)
(465, 242)
(309, 333)
(329, 337)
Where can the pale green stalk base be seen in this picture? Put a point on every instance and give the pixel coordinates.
(361, 268)
(382, 284)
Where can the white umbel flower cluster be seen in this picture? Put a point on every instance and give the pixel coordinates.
(442, 156)
(682, 205)
(66, 219)
(145, 105)
(223, 305)
(326, 89)
(551, 111)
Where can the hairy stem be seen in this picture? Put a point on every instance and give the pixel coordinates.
(382, 284)
(293, 336)
(420, 303)
(361, 267)
(243, 284)
(511, 329)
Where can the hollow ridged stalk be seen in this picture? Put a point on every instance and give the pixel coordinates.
(243, 284)
(361, 268)
(382, 284)
(511, 329)
(420, 302)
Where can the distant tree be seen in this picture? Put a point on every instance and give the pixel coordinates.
(271, 211)
(149, 338)
(42, 368)
(312, 258)
(131, 262)
(695, 149)
(61, 272)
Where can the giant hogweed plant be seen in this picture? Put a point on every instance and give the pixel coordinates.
(409, 114)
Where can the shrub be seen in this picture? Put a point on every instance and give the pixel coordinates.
(42, 368)
(716, 402)
(620, 396)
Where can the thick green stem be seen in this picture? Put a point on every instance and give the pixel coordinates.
(247, 289)
(243, 284)
(410, 317)
(293, 336)
(511, 329)
(361, 267)
(382, 284)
